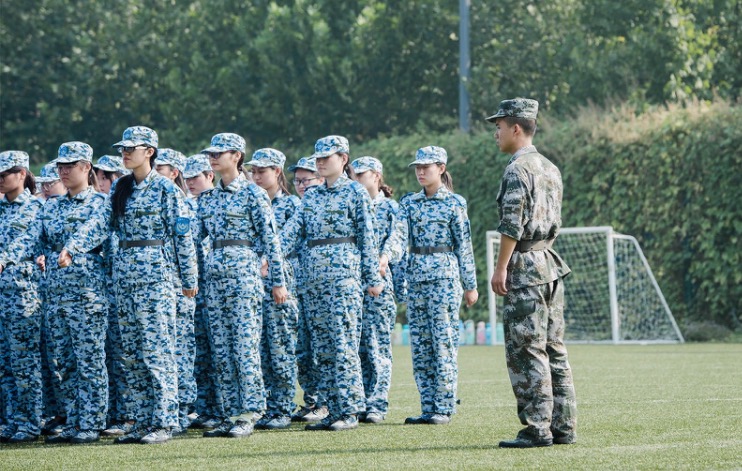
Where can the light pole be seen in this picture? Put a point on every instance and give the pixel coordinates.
(464, 64)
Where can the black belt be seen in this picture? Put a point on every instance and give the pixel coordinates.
(125, 244)
(218, 244)
(330, 241)
(429, 250)
(60, 247)
(533, 245)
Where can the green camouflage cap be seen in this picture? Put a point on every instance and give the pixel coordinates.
(516, 108)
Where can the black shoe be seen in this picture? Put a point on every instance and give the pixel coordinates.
(373, 418)
(418, 419)
(564, 439)
(221, 431)
(525, 442)
(323, 424)
(132, 437)
(64, 437)
(54, 426)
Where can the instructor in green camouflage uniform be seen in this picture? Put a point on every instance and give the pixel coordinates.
(529, 274)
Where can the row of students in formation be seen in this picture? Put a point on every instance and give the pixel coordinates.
(148, 312)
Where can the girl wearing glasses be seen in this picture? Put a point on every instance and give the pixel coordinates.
(76, 306)
(341, 260)
(379, 313)
(236, 216)
(440, 262)
(278, 340)
(150, 221)
(20, 313)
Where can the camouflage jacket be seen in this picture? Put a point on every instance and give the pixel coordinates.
(390, 230)
(530, 207)
(240, 211)
(342, 210)
(19, 228)
(439, 221)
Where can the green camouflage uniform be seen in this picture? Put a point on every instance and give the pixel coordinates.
(529, 202)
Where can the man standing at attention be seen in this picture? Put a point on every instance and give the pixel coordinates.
(529, 274)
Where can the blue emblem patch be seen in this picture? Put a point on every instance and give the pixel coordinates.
(182, 226)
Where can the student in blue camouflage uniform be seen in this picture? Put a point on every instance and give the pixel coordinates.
(237, 217)
(305, 176)
(76, 305)
(171, 164)
(341, 261)
(150, 219)
(379, 312)
(121, 416)
(20, 312)
(440, 262)
(278, 340)
(53, 412)
(199, 177)
(529, 275)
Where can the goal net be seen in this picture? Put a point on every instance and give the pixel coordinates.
(611, 296)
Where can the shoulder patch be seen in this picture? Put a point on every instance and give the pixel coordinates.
(182, 226)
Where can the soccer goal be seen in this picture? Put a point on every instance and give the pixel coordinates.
(611, 296)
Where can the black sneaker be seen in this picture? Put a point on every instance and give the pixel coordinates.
(569, 439)
(132, 437)
(323, 424)
(221, 431)
(63, 437)
(418, 419)
(54, 426)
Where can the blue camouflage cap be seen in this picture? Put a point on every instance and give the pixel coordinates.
(138, 136)
(171, 157)
(430, 155)
(305, 163)
(197, 164)
(267, 157)
(111, 163)
(74, 151)
(516, 108)
(224, 142)
(364, 164)
(48, 173)
(13, 158)
(329, 145)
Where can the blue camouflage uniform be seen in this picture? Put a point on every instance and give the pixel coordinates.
(185, 342)
(20, 311)
(236, 218)
(153, 233)
(341, 261)
(380, 312)
(278, 339)
(76, 299)
(440, 262)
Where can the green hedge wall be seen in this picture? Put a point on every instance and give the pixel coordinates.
(669, 177)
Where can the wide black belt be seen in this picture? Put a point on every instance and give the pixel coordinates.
(429, 250)
(330, 241)
(60, 247)
(218, 244)
(125, 244)
(533, 245)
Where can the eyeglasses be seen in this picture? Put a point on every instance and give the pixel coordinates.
(216, 155)
(48, 185)
(303, 181)
(129, 150)
(65, 168)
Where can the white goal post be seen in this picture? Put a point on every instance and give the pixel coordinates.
(611, 296)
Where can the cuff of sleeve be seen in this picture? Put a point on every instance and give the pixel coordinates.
(511, 231)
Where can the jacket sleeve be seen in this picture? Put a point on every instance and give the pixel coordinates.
(461, 231)
(366, 239)
(178, 218)
(95, 230)
(265, 224)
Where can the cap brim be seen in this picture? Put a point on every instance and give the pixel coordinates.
(46, 179)
(492, 118)
(294, 168)
(261, 163)
(106, 168)
(424, 162)
(128, 144)
(69, 160)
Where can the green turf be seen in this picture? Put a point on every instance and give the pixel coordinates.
(648, 407)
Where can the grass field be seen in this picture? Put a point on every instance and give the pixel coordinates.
(640, 407)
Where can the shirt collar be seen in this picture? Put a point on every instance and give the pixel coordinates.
(147, 180)
(234, 185)
(82, 195)
(441, 193)
(339, 183)
(523, 150)
(22, 199)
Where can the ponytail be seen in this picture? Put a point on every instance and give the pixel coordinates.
(447, 180)
(29, 182)
(283, 184)
(180, 183)
(384, 188)
(93, 178)
(347, 167)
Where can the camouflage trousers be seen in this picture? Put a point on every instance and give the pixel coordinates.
(50, 387)
(77, 320)
(536, 358)
(307, 369)
(375, 350)
(433, 317)
(333, 310)
(278, 354)
(146, 322)
(20, 350)
(185, 355)
(120, 405)
(233, 310)
(203, 365)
